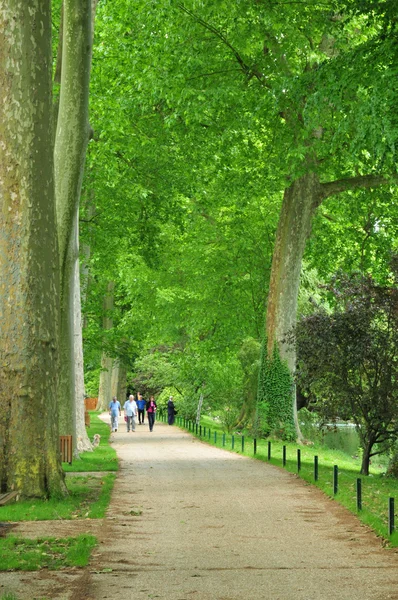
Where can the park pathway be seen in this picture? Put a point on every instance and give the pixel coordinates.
(189, 521)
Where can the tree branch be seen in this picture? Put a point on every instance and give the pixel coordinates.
(213, 73)
(350, 183)
(248, 71)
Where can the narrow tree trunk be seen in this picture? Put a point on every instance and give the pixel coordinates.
(105, 384)
(115, 378)
(122, 387)
(366, 459)
(29, 290)
(69, 155)
(118, 381)
(299, 204)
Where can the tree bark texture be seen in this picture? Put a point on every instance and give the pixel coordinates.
(105, 383)
(118, 381)
(29, 286)
(69, 157)
(299, 204)
(82, 441)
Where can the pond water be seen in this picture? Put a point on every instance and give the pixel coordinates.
(342, 437)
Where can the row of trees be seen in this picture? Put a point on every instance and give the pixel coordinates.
(220, 136)
(239, 131)
(43, 143)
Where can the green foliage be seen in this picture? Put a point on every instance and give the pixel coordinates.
(348, 359)
(309, 425)
(153, 372)
(249, 100)
(91, 381)
(228, 416)
(178, 400)
(275, 397)
(19, 554)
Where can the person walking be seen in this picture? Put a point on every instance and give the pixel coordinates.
(151, 411)
(115, 411)
(130, 413)
(141, 403)
(171, 411)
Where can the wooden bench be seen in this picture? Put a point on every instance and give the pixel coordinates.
(8, 497)
(66, 448)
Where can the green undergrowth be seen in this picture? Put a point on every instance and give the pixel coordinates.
(21, 554)
(88, 498)
(376, 488)
(103, 458)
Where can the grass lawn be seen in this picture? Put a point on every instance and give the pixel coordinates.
(376, 488)
(51, 553)
(88, 498)
(103, 458)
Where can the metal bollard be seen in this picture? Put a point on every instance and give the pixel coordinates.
(284, 456)
(233, 441)
(315, 468)
(223, 439)
(243, 443)
(391, 518)
(215, 437)
(269, 450)
(359, 494)
(335, 479)
(298, 460)
(255, 446)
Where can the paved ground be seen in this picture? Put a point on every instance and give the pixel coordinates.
(189, 521)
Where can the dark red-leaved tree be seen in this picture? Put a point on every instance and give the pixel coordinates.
(348, 359)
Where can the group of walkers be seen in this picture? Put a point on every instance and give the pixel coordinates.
(134, 408)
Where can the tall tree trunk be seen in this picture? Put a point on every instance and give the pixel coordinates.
(82, 441)
(69, 155)
(115, 378)
(105, 384)
(118, 380)
(122, 387)
(299, 204)
(29, 290)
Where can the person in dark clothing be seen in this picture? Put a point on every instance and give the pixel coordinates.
(151, 411)
(141, 403)
(171, 411)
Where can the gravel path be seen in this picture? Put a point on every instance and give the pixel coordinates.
(189, 521)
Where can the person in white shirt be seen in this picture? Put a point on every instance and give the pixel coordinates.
(130, 413)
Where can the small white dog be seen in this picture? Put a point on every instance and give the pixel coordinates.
(96, 440)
